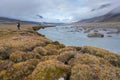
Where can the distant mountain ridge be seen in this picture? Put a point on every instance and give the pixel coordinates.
(11, 20)
(112, 16)
(7, 19)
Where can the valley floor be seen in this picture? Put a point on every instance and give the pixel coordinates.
(27, 55)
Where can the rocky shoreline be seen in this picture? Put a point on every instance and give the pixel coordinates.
(27, 55)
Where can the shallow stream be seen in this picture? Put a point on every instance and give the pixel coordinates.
(70, 36)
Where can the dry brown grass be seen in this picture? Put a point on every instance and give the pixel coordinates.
(7, 30)
(12, 40)
(46, 70)
(19, 71)
(22, 50)
(89, 67)
(20, 56)
(113, 58)
(13, 27)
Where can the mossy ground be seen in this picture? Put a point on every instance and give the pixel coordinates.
(27, 55)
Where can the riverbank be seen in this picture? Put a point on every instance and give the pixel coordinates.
(27, 55)
(73, 35)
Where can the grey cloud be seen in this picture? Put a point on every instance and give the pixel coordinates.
(54, 10)
(102, 7)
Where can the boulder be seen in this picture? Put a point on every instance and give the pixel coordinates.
(109, 36)
(95, 35)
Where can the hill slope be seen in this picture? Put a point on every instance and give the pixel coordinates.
(11, 20)
(112, 16)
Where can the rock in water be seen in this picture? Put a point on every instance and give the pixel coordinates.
(95, 35)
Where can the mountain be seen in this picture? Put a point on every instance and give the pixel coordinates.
(112, 16)
(102, 7)
(6, 20)
(11, 20)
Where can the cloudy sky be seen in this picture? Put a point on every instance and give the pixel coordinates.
(55, 10)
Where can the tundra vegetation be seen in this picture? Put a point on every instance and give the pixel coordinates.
(27, 55)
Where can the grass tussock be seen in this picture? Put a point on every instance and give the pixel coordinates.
(50, 57)
(88, 60)
(66, 56)
(94, 72)
(113, 58)
(66, 49)
(46, 70)
(4, 52)
(5, 64)
(19, 56)
(88, 67)
(41, 51)
(19, 71)
(51, 49)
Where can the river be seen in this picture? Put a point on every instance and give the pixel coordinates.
(71, 37)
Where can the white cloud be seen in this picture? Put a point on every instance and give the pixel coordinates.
(54, 10)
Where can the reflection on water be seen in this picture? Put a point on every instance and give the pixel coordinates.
(70, 36)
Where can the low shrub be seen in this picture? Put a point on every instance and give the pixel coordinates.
(51, 49)
(94, 72)
(113, 58)
(49, 70)
(40, 50)
(5, 64)
(19, 56)
(19, 70)
(4, 53)
(88, 60)
(65, 57)
(66, 49)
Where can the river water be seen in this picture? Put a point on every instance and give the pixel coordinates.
(71, 37)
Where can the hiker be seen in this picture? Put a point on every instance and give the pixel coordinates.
(18, 26)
